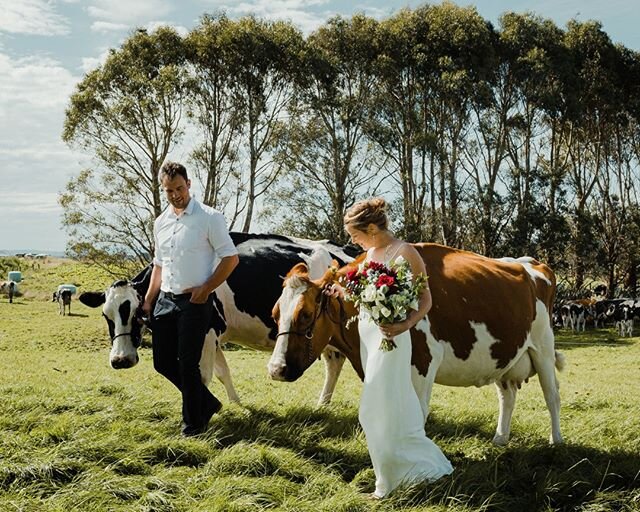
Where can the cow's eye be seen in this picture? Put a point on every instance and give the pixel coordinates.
(305, 317)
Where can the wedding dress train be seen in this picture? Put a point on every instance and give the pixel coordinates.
(391, 416)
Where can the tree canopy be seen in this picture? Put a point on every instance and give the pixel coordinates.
(521, 138)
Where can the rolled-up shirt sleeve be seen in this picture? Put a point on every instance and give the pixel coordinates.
(156, 256)
(219, 237)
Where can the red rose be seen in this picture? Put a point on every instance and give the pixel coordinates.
(377, 266)
(352, 275)
(385, 280)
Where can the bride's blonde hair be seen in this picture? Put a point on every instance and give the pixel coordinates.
(365, 212)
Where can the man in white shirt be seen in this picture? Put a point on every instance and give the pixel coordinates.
(189, 238)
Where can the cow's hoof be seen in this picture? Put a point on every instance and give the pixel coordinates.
(554, 440)
(501, 439)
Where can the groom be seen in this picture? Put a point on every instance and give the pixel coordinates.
(189, 238)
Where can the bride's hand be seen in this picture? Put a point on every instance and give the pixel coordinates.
(333, 290)
(392, 330)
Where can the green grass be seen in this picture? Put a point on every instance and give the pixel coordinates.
(76, 435)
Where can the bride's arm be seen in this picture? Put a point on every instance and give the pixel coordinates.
(424, 305)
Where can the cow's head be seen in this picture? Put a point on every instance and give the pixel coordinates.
(123, 316)
(307, 321)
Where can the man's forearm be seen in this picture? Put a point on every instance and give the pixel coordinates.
(154, 284)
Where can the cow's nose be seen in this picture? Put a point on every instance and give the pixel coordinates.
(277, 371)
(121, 362)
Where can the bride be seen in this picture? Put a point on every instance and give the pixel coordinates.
(390, 412)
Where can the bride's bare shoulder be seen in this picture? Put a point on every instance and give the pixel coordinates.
(409, 253)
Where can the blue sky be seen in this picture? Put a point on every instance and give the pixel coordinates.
(46, 46)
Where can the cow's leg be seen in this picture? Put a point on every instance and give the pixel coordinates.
(424, 384)
(507, 401)
(333, 362)
(213, 362)
(544, 362)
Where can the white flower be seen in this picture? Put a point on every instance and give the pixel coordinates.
(370, 293)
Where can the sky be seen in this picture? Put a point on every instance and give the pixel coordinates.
(46, 47)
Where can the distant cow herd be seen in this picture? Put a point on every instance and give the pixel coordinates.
(599, 313)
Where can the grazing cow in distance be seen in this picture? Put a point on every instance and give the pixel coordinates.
(603, 311)
(11, 291)
(577, 317)
(63, 297)
(490, 323)
(242, 305)
(10, 288)
(565, 315)
(623, 314)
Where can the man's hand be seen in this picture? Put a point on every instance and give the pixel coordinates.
(199, 294)
(147, 308)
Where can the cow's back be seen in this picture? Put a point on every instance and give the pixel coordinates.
(474, 294)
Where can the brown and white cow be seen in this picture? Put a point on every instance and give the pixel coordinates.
(490, 322)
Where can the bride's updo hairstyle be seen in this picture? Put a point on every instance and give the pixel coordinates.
(365, 212)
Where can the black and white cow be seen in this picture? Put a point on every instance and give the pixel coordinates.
(603, 311)
(63, 297)
(624, 314)
(12, 291)
(578, 317)
(565, 315)
(242, 305)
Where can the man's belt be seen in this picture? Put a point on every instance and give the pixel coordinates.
(174, 296)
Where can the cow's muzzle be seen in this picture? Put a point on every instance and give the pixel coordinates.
(118, 363)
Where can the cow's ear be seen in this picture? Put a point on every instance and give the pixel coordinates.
(92, 299)
(300, 268)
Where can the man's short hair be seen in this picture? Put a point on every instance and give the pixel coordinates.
(171, 170)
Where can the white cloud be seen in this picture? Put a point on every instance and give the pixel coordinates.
(153, 25)
(35, 81)
(30, 202)
(107, 26)
(90, 63)
(302, 13)
(36, 17)
(127, 11)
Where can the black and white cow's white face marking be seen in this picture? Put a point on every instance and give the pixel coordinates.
(121, 303)
(119, 307)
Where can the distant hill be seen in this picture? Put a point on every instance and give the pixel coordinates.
(13, 252)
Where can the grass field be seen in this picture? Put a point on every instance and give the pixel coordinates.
(76, 435)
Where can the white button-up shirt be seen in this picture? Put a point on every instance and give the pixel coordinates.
(188, 246)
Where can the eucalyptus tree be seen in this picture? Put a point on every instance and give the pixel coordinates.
(395, 124)
(217, 112)
(264, 58)
(595, 59)
(458, 55)
(616, 183)
(126, 115)
(532, 50)
(326, 150)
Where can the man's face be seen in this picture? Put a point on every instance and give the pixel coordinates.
(177, 190)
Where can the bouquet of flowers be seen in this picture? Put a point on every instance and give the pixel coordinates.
(386, 292)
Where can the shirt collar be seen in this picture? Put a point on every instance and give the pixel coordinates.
(188, 210)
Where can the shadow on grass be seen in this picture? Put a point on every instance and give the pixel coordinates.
(569, 340)
(80, 315)
(520, 477)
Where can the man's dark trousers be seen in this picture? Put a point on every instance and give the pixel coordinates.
(179, 330)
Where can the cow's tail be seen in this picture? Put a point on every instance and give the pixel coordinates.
(561, 361)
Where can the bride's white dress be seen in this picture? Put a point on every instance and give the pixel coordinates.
(391, 416)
